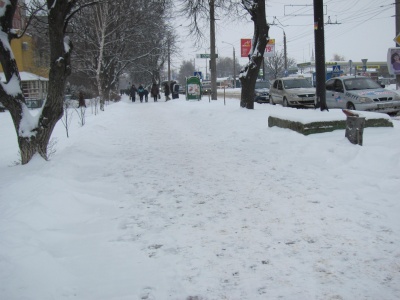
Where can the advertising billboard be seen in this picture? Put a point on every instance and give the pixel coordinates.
(245, 47)
(393, 61)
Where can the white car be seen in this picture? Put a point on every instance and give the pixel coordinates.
(292, 91)
(360, 93)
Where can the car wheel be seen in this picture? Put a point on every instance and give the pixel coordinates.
(271, 101)
(285, 102)
(351, 106)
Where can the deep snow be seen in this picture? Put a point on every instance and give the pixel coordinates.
(200, 200)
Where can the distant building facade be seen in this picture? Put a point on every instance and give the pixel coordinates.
(26, 54)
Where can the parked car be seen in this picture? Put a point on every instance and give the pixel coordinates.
(360, 93)
(206, 88)
(34, 103)
(292, 91)
(261, 92)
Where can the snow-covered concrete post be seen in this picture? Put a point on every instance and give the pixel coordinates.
(354, 127)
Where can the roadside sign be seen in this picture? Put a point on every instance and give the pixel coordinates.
(393, 61)
(397, 39)
(198, 74)
(193, 88)
(336, 69)
(245, 47)
(205, 55)
(270, 48)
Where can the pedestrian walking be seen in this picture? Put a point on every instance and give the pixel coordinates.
(146, 94)
(155, 91)
(81, 100)
(166, 91)
(141, 92)
(132, 92)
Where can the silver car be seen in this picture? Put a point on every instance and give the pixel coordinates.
(292, 91)
(361, 93)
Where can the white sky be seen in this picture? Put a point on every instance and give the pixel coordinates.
(178, 199)
(367, 30)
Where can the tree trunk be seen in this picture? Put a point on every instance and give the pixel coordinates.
(249, 74)
(213, 59)
(33, 134)
(101, 20)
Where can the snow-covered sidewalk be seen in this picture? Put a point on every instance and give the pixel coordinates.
(200, 200)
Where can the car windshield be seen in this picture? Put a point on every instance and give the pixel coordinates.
(297, 83)
(262, 85)
(360, 84)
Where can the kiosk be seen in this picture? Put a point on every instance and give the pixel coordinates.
(193, 88)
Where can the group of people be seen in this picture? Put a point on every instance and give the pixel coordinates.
(143, 93)
(170, 89)
(154, 91)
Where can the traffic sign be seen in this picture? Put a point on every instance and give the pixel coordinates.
(397, 39)
(336, 69)
(198, 74)
(205, 55)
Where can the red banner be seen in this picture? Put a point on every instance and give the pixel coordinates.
(245, 47)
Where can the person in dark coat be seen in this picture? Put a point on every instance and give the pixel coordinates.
(146, 94)
(81, 100)
(154, 91)
(132, 92)
(166, 91)
(141, 92)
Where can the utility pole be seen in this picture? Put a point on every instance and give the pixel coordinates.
(234, 68)
(320, 53)
(285, 50)
(213, 64)
(234, 64)
(397, 3)
(284, 44)
(169, 57)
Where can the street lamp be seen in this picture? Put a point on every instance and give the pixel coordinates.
(364, 62)
(234, 64)
(284, 42)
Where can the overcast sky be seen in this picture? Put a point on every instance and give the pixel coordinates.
(365, 29)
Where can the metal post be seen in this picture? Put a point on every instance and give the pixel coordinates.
(169, 58)
(350, 66)
(320, 53)
(397, 3)
(213, 67)
(364, 61)
(206, 69)
(285, 49)
(234, 64)
(234, 68)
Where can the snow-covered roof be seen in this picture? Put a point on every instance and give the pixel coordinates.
(26, 76)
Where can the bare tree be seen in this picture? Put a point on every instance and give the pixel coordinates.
(275, 65)
(34, 132)
(186, 70)
(119, 37)
(225, 66)
(200, 9)
(67, 117)
(208, 10)
(338, 57)
(248, 75)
